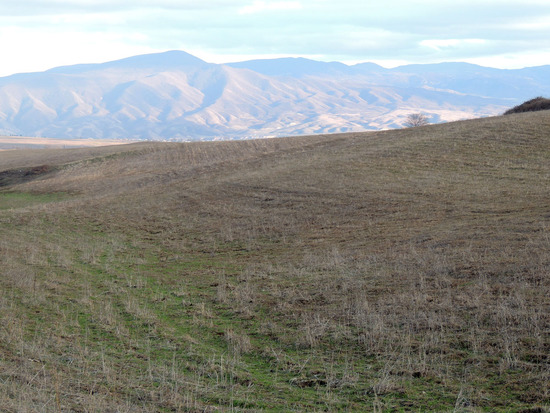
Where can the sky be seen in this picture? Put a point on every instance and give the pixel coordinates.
(36, 35)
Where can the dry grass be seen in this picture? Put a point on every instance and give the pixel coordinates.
(394, 271)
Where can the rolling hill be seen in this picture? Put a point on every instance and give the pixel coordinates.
(176, 96)
(402, 270)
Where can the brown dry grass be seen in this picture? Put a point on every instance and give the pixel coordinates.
(392, 271)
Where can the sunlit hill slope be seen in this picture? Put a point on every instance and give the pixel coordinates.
(176, 96)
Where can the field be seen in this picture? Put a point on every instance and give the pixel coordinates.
(24, 142)
(403, 270)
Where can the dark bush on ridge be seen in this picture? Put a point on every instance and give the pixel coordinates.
(533, 105)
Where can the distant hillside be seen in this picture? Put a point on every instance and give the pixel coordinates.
(176, 96)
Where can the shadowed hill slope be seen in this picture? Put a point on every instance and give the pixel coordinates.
(398, 270)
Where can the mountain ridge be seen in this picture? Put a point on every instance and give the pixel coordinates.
(177, 96)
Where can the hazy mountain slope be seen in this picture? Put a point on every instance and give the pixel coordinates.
(174, 95)
(292, 67)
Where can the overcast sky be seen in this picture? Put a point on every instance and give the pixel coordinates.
(36, 35)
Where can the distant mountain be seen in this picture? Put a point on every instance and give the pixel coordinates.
(176, 96)
(292, 67)
(173, 60)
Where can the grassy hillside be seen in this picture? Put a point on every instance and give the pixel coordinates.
(392, 271)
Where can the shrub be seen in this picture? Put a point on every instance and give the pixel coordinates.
(533, 105)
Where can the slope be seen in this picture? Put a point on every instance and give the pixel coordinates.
(393, 271)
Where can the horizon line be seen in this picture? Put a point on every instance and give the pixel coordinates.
(279, 57)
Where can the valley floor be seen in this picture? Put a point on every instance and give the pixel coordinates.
(22, 142)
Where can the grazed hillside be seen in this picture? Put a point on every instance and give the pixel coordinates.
(175, 96)
(388, 271)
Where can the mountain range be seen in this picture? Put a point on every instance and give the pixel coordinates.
(176, 96)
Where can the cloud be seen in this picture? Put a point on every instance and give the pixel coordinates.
(514, 60)
(440, 44)
(49, 7)
(37, 50)
(260, 6)
(532, 24)
(346, 30)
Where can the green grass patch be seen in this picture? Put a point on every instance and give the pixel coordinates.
(14, 200)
